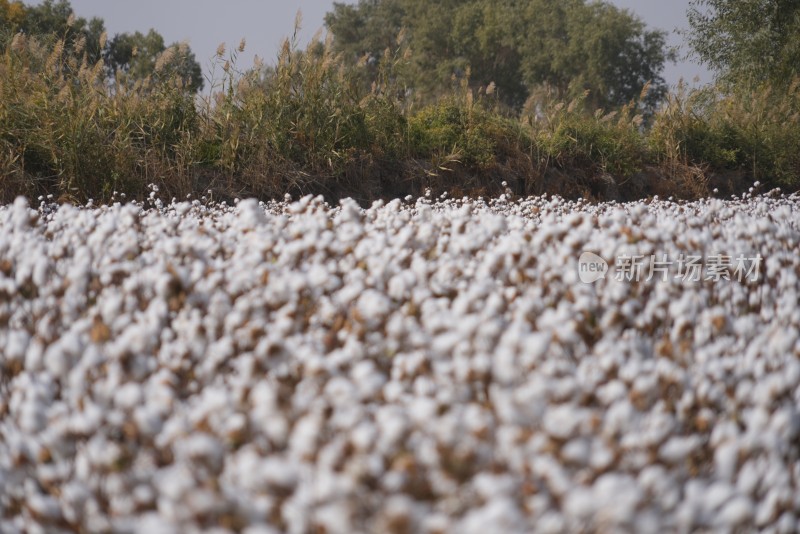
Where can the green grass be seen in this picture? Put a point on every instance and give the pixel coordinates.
(310, 125)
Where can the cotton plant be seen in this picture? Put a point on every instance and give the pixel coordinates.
(418, 365)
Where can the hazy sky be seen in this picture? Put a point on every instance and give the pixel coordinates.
(265, 23)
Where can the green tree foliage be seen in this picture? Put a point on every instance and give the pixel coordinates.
(136, 56)
(11, 15)
(127, 57)
(572, 47)
(56, 20)
(747, 42)
(568, 46)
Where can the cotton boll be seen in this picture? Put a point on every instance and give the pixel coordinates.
(620, 497)
(16, 345)
(149, 421)
(726, 459)
(373, 307)
(334, 517)
(499, 513)
(601, 456)
(250, 214)
(581, 505)
(577, 452)
(736, 512)
(677, 449)
(44, 506)
(128, 396)
(717, 495)
(304, 436)
(260, 529)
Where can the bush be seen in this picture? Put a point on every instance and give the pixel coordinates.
(604, 143)
(466, 131)
(69, 134)
(310, 125)
(754, 131)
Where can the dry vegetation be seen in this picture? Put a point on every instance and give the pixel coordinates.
(307, 125)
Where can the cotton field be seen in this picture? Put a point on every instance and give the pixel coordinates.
(431, 365)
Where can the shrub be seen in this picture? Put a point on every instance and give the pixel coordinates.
(311, 125)
(461, 129)
(754, 131)
(71, 135)
(569, 137)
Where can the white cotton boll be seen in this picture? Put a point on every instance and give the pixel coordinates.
(148, 420)
(32, 417)
(143, 494)
(174, 482)
(16, 344)
(44, 506)
(59, 357)
(202, 501)
(367, 379)
(677, 449)
(424, 387)
(393, 391)
(304, 436)
(498, 515)
(767, 508)
(373, 307)
(556, 476)
(444, 344)
(398, 512)
(491, 486)
(335, 517)
(577, 451)
(787, 523)
(718, 494)
(619, 494)
(88, 420)
(581, 504)
(736, 512)
(340, 391)
(260, 529)
(128, 396)
(201, 448)
(350, 210)
(400, 285)
(182, 208)
(250, 214)
(504, 365)
(21, 214)
(658, 481)
(551, 523)
(534, 346)
(392, 425)
(726, 457)
(748, 478)
(154, 523)
(601, 456)
(612, 391)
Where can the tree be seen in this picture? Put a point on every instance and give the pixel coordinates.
(445, 39)
(569, 46)
(127, 56)
(131, 57)
(747, 42)
(57, 20)
(11, 16)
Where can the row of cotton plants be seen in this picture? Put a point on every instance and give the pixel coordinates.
(438, 365)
